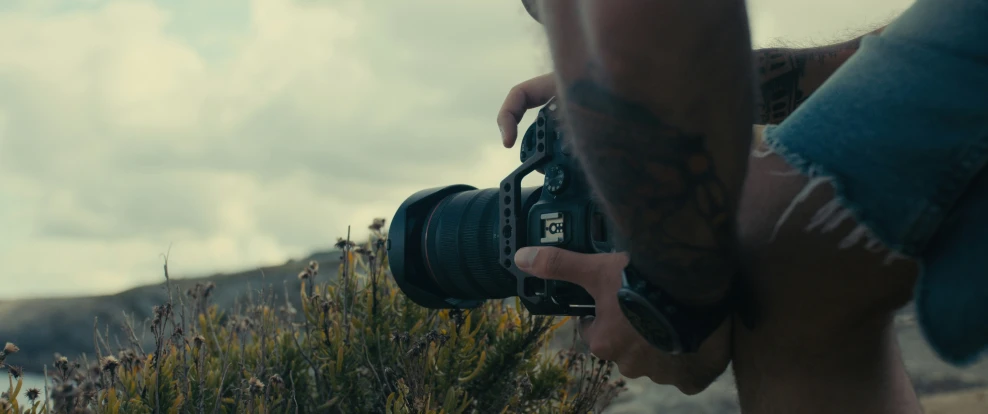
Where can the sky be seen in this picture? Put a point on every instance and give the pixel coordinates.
(234, 134)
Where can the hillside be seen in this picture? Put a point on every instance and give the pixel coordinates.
(41, 327)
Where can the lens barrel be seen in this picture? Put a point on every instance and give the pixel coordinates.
(460, 241)
(444, 243)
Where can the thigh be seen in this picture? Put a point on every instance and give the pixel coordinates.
(891, 151)
(806, 282)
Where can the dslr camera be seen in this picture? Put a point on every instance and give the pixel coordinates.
(453, 247)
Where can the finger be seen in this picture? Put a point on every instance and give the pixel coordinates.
(632, 363)
(524, 96)
(558, 264)
(602, 348)
(586, 324)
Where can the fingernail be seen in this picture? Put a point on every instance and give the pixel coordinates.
(525, 256)
(501, 129)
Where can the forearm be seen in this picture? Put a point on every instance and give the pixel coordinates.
(658, 97)
(788, 76)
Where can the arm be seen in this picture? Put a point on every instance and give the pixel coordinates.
(788, 76)
(659, 101)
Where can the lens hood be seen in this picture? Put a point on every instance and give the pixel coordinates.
(405, 249)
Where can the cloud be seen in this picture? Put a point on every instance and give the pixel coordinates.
(125, 129)
(814, 23)
(243, 133)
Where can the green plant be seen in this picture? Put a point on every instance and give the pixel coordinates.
(356, 346)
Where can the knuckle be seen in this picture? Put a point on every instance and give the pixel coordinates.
(629, 370)
(601, 349)
(552, 262)
(658, 379)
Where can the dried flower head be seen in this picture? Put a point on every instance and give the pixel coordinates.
(61, 362)
(109, 364)
(163, 311)
(206, 291)
(256, 386)
(276, 381)
(15, 371)
(10, 348)
(400, 338)
(198, 341)
(33, 393)
(342, 243)
(377, 224)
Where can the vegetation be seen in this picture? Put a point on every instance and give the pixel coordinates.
(357, 345)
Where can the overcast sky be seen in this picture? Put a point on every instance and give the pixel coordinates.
(247, 132)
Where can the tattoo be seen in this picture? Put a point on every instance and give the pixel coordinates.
(671, 211)
(780, 72)
(788, 76)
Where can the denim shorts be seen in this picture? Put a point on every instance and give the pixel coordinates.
(901, 131)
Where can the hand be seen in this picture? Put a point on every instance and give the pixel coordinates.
(610, 335)
(524, 96)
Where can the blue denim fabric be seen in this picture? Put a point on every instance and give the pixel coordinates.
(901, 131)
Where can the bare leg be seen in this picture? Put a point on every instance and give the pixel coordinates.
(824, 296)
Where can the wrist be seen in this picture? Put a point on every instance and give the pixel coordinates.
(705, 284)
(667, 323)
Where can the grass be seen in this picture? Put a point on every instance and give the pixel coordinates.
(357, 345)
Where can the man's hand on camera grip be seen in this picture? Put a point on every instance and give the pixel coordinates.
(610, 336)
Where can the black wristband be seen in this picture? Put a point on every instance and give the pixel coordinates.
(667, 323)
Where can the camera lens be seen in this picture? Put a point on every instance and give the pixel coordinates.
(444, 246)
(460, 245)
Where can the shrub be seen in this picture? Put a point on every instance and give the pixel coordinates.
(356, 346)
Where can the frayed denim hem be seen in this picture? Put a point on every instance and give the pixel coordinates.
(831, 215)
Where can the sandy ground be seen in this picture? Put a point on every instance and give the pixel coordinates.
(943, 388)
(964, 402)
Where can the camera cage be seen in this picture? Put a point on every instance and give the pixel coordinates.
(514, 215)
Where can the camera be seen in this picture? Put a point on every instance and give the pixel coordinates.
(452, 247)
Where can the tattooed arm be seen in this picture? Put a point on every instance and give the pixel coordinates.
(658, 96)
(788, 76)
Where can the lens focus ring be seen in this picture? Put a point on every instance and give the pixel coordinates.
(462, 247)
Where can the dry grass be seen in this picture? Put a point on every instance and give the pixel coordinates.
(357, 345)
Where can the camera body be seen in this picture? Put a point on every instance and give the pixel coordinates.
(436, 228)
(564, 216)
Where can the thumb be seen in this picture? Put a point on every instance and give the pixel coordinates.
(557, 264)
